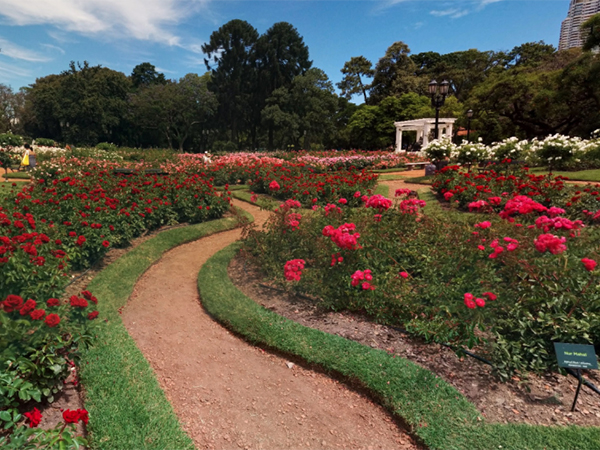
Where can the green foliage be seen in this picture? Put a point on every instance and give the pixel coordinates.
(12, 140)
(106, 146)
(61, 437)
(591, 28)
(145, 74)
(352, 83)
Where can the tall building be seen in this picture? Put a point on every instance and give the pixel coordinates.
(570, 31)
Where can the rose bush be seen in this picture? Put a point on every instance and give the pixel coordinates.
(489, 283)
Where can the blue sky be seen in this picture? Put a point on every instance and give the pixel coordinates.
(40, 37)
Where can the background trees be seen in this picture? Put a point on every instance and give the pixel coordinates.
(262, 91)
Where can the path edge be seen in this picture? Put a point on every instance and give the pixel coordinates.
(437, 414)
(128, 408)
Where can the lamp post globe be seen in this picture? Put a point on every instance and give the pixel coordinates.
(469, 117)
(438, 97)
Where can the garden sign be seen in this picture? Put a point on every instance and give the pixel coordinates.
(576, 356)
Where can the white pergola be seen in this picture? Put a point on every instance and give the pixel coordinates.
(422, 127)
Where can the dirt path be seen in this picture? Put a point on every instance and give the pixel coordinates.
(229, 394)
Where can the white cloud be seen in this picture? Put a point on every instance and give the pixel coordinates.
(54, 47)
(453, 8)
(453, 13)
(13, 72)
(140, 19)
(14, 51)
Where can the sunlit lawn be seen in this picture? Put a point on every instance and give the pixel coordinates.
(581, 175)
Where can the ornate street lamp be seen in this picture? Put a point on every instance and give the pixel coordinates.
(469, 117)
(438, 97)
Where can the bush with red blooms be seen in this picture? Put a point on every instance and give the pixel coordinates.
(517, 193)
(509, 285)
(27, 436)
(40, 343)
(305, 184)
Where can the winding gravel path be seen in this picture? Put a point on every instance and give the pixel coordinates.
(229, 394)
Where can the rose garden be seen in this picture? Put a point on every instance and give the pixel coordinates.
(493, 257)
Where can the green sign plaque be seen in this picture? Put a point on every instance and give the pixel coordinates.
(576, 356)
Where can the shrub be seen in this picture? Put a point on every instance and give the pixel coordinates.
(45, 142)
(505, 285)
(12, 140)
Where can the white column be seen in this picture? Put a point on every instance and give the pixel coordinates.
(450, 130)
(425, 134)
(398, 140)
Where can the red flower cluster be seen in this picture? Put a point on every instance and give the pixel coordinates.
(34, 417)
(274, 185)
(589, 264)
(521, 204)
(336, 258)
(358, 277)
(551, 243)
(379, 202)
(293, 269)
(411, 205)
(557, 223)
(74, 416)
(342, 236)
(471, 302)
(293, 220)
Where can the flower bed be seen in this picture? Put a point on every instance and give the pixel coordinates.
(310, 187)
(511, 287)
(490, 191)
(70, 220)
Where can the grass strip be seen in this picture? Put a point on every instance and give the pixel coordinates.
(262, 201)
(382, 189)
(393, 169)
(234, 187)
(17, 175)
(591, 175)
(437, 413)
(128, 409)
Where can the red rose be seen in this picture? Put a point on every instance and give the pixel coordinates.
(86, 294)
(35, 417)
(12, 302)
(52, 320)
(93, 315)
(37, 314)
(70, 416)
(105, 243)
(53, 302)
(28, 307)
(83, 416)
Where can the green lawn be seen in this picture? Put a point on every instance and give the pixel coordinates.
(592, 175)
(16, 176)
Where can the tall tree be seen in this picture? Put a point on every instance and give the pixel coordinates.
(282, 55)
(231, 60)
(395, 73)
(530, 54)
(591, 30)
(11, 109)
(354, 71)
(177, 109)
(145, 74)
(304, 112)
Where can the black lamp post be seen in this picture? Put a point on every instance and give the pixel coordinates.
(469, 117)
(438, 97)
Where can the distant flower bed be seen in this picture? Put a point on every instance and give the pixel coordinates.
(557, 151)
(492, 191)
